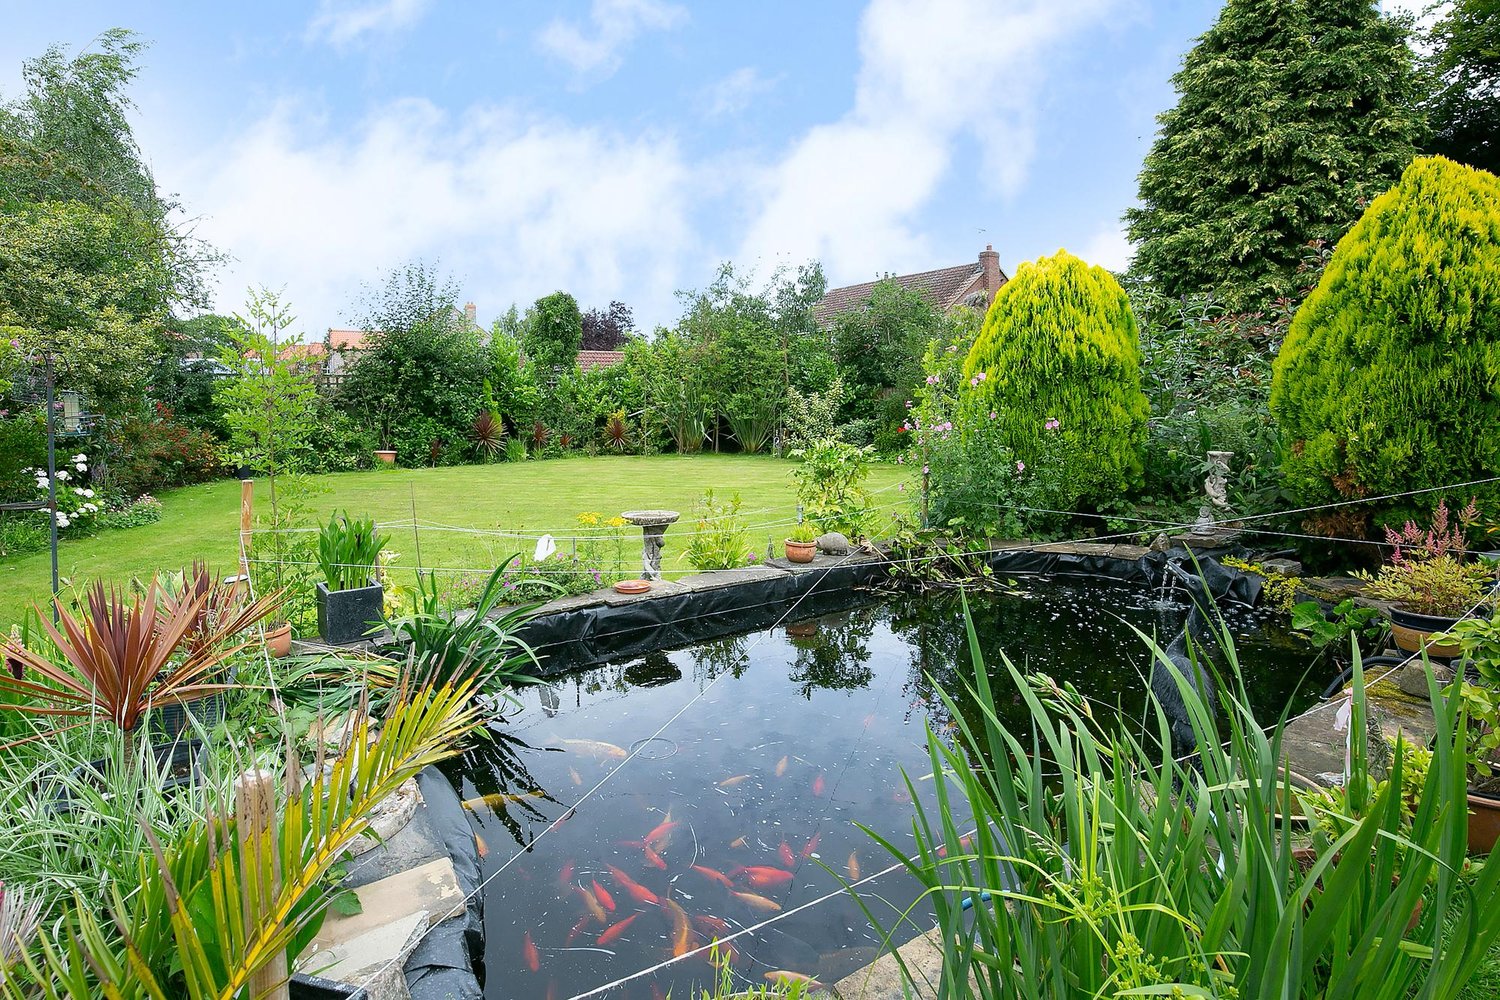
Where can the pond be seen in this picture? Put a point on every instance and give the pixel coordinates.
(764, 751)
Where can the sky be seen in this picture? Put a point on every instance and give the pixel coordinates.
(623, 149)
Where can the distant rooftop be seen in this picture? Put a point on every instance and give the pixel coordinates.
(945, 287)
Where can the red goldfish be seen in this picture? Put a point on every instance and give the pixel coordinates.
(613, 932)
(566, 875)
(763, 878)
(529, 954)
(655, 859)
(731, 782)
(811, 846)
(634, 889)
(784, 852)
(818, 785)
(578, 929)
(781, 766)
(716, 876)
(711, 925)
(481, 846)
(681, 930)
(603, 896)
(661, 835)
(853, 867)
(738, 843)
(592, 905)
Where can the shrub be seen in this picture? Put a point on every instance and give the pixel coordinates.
(1059, 343)
(830, 486)
(21, 533)
(142, 510)
(1388, 378)
(23, 445)
(156, 451)
(720, 540)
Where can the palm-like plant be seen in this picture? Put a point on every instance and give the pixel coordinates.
(488, 434)
(617, 431)
(226, 609)
(120, 660)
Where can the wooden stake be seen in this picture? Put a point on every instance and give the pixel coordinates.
(247, 512)
(255, 812)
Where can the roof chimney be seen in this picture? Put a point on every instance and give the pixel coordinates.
(470, 312)
(990, 261)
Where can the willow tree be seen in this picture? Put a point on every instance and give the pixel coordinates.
(1389, 379)
(1056, 371)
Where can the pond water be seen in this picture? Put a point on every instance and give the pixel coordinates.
(776, 743)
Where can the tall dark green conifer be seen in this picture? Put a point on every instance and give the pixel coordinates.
(1291, 115)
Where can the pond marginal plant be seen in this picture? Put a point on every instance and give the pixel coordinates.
(348, 552)
(1095, 868)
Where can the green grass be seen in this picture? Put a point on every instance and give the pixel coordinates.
(202, 522)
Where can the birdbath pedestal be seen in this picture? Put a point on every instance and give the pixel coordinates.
(653, 525)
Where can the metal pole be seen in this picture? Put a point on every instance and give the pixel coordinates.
(52, 476)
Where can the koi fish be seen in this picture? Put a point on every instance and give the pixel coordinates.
(497, 800)
(563, 819)
(592, 904)
(575, 776)
(716, 876)
(681, 930)
(965, 844)
(634, 889)
(853, 866)
(578, 929)
(781, 766)
(782, 977)
(566, 875)
(595, 748)
(654, 858)
(763, 878)
(661, 835)
(602, 895)
(811, 846)
(761, 903)
(529, 954)
(784, 852)
(818, 785)
(481, 846)
(869, 720)
(613, 932)
(731, 782)
(737, 843)
(711, 925)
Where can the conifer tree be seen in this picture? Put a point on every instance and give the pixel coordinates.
(1389, 379)
(1056, 369)
(1291, 114)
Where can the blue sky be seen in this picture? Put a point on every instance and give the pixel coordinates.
(623, 148)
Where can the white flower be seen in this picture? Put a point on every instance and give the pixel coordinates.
(91, 507)
(62, 474)
(62, 520)
(80, 457)
(81, 467)
(87, 493)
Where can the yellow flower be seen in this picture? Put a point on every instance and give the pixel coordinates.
(619, 522)
(588, 519)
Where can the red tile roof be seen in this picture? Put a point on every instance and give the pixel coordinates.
(346, 340)
(589, 360)
(942, 287)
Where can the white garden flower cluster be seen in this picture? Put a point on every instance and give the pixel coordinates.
(76, 504)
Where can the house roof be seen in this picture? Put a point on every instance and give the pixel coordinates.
(346, 340)
(942, 286)
(589, 360)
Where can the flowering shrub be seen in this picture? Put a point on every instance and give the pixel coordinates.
(77, 505)
(720, 540)
(145, 509)
(1427, 573)
(157, 452)
(830, 486)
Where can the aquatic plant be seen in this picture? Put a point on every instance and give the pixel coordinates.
(348, 552)
(1095, 868)
(720, 539)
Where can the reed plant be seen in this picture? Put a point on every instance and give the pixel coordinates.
(348, 552)
(1073, 861)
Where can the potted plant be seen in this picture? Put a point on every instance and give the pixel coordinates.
(1428, 581)
(350, 598)
(1478, 643)
(802, 543)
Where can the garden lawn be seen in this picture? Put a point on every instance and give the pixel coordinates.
(202, 522)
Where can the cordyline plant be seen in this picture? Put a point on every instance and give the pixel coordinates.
(121, 659)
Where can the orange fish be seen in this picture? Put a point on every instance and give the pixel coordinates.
(578, 929)
(731, 782)
(811, 846)
(592, 905)
(602, 895)
(818, 785)
(784, 852)
(634, 889)
(552, 989)
(717, 876)
(656, 993)
(573, 773)
(783, 977)
(529, 953)
(781, 767)
(481, 846)
(737, 843)
(681, 930)
(711, 925)
(613, 932)
(661, 836)
(763, 878)
(966, 844)
(869, 720)
(566, 875)
(655, 859)
(755, 902)
(853, 867)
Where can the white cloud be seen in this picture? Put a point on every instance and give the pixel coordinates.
(850, 192)
(737, 91)
(1109, 247)
(515, 207)
(596, 51)
(342, 23)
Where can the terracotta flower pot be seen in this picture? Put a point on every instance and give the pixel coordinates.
(800, 552)
(1484, 823)
(279, 641)
(386, 455)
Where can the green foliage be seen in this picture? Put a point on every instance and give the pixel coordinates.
(830, 480)
(1096, 868)
(720, 539)
(23, 445)
(812, 415)
(879, 352)
(1478, 641)
(137, 513)
(1290, 115)
(674, 380)
(156, 451)
(1465, 115)
(1388, 378)
(551, 335)
(268, 395)
(1336, 626)
(803, 532)
(24, 532)
(348, 552)
(1058, 357)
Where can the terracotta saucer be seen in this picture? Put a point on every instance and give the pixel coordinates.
(632, 586)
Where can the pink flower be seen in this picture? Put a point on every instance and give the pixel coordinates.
(900, 487)
(1052, 424)
(1020, 466)
(924, 470)
(992, 414)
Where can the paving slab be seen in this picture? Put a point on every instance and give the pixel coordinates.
(372, 960)
(431, 888)
(882, 978)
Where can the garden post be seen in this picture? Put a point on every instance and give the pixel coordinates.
(247, 510)
(255, 813)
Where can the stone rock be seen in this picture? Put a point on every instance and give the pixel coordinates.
(1161, 543)
(1285, 567)
(833, 543)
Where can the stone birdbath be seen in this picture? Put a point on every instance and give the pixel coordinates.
(653, 525)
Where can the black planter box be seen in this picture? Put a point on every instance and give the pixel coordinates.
(348, 616)
(182, 756)
(304, 987)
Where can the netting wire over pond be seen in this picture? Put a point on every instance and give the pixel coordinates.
(724, 782)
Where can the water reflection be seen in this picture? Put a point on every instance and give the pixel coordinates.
(832, 651)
